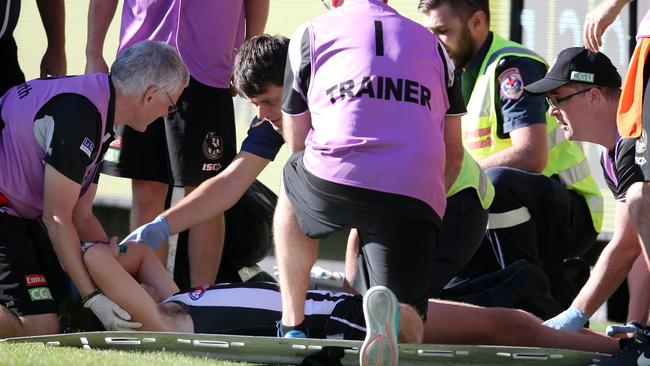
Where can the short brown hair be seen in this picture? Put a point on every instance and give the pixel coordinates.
(464, 9)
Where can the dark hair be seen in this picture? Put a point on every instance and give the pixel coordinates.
(464, 9)
(260, 61)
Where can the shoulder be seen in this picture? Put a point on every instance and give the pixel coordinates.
(72, 113)
(525, 65)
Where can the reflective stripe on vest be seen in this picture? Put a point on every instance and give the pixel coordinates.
(479, 125)
(508, 219)
(472, 176)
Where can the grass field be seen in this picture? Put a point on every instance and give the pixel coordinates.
(37, 355)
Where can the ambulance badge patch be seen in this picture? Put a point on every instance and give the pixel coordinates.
(512, 85)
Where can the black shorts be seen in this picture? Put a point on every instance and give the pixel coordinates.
(398, 234)
(31, 279)
(11, 74)
(187, 148)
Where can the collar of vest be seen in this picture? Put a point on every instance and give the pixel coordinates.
(502, 47)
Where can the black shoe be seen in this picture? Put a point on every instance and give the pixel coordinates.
(634, 352)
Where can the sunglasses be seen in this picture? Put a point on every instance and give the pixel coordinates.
(555, 102)
(173, 107)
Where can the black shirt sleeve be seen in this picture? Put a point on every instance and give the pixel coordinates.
(453, 83)
(627, 171)
(297, 74)
(622, 171)
(455, 95)
(69, 125)
(520, 109)
(262, 140)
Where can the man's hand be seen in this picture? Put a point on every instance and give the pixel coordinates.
(597, 21)
(570, 320)
(53, 62)
(110, 314)
(151, 234)
(95, 65)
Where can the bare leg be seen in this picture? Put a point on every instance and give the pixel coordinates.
(456, 323)
(638, 281)
(205, 245)
(30, 325)
(410, 325)
(149, 202)
(296, 254)
(351, 257)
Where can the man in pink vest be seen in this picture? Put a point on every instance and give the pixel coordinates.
(53, 136)
(198, 141)
(365, 97)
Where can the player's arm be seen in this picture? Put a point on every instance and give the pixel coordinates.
(257, 13)
(609, 272)
(113, 273)
(67, 129)
(217, 194)
(453, 137)
(53, 17)
(60, 196)
(613, 264)
(88, 226)
(100, 15)
(295, 129)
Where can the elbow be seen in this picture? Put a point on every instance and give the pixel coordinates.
(537, 166)
(94, 254)
(48, 219)
(536, 163)
(452, 169)
(622, 247)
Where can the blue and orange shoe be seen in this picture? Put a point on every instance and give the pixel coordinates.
(381, 311)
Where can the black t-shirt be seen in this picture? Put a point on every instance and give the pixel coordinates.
(619, 168)
(68, 128)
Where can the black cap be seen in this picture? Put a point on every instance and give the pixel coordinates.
(577, 64)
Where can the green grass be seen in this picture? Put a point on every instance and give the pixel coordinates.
(36, 355)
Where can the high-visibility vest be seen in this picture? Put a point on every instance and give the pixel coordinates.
(472, 176)
(565, 158)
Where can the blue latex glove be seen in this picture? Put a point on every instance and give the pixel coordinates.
(570, 320)
(151, 234)
(616, 329)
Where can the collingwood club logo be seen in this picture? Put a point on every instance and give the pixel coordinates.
(212, 146)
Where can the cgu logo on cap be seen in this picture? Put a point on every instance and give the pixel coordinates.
(585, 77)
